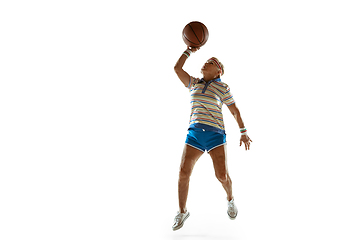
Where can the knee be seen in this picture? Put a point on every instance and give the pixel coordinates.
(222, 177)
(184, 173)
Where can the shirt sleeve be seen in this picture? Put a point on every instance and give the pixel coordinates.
(228, 98)
(192, 82)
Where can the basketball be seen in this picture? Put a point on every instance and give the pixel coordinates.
(195, 34)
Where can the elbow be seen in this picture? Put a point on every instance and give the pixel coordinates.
(177, 68)
(236, 112)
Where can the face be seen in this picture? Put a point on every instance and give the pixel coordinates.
(210, 68)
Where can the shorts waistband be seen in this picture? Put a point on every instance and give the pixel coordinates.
(205, 127)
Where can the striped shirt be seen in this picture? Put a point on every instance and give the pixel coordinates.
(206, 102)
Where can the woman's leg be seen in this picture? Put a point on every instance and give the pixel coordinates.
(218, 156)
(188, 160)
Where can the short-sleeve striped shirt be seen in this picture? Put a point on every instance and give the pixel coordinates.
(206, 102)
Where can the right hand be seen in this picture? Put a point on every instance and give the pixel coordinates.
(193, 49)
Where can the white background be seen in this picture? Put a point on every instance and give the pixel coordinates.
(93, 119)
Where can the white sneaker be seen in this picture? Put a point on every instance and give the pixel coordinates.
(179, 220)
(232, 210)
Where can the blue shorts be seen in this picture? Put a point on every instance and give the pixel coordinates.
(204, 140)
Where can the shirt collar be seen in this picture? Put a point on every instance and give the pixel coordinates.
(214, 80)
(208, 83)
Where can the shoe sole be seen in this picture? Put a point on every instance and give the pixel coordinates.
(182, 224)
(232, 218)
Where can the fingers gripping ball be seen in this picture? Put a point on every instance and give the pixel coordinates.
(195, 34)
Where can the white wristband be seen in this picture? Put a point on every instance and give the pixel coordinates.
(187, 52)
(243, 131)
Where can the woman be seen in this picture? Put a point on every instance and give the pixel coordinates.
(206, 131)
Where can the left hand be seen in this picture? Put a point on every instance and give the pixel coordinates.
(246, 140)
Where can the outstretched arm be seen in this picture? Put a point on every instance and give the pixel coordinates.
(236, 113)
(183, 76)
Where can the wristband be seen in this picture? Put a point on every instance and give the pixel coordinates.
(188, 52)
(243, 131)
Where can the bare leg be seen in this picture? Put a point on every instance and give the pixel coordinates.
(218, 156)
(188, 160)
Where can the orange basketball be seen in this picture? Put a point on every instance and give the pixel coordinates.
(195, 34)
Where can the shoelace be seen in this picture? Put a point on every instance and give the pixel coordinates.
(231, 205)
(178, 217)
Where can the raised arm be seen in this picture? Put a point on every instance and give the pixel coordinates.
(184, 76)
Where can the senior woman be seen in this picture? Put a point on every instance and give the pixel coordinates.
(206, 131)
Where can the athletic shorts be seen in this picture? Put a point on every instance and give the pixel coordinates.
(204, 140)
